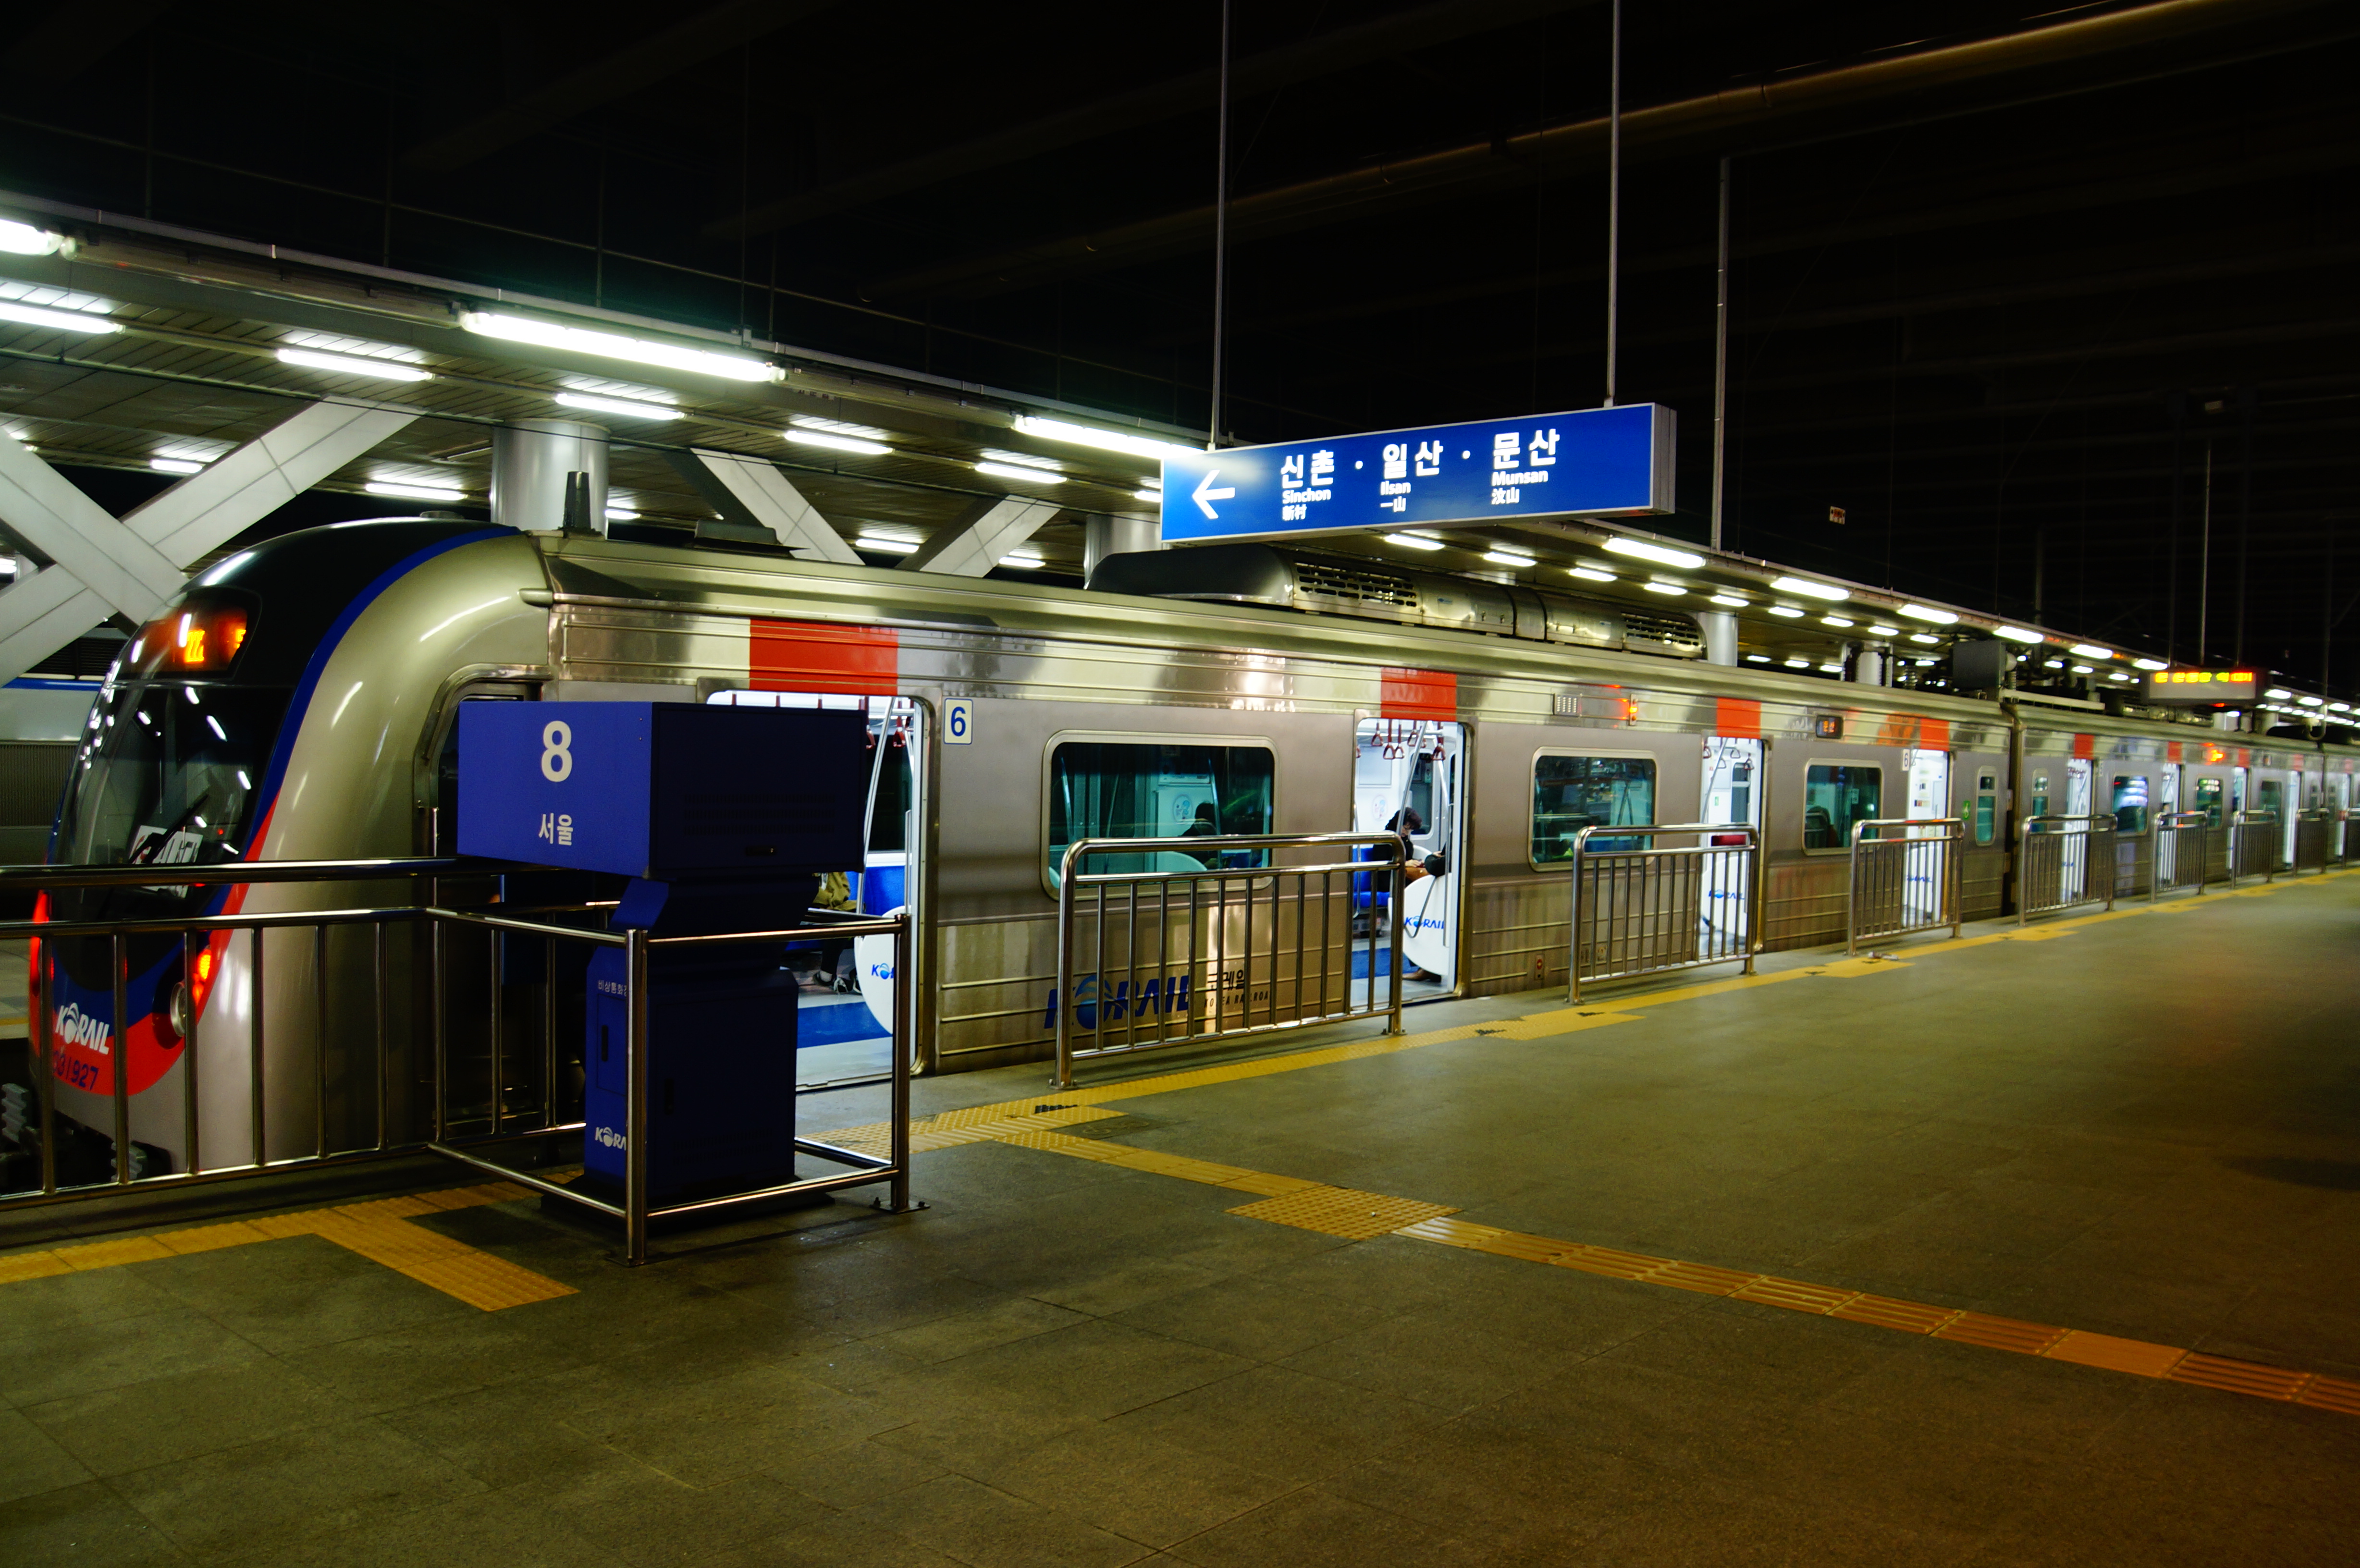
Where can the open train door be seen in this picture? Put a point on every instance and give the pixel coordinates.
(1413, 773)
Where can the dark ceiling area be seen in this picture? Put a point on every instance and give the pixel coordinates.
(2049, 312)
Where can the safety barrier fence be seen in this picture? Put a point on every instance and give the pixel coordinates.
(2062, 861)
(1905, 877)
(1212, 939)
(325, 1064)
(1641, 910)
(2183, 852)
(2254, 839)
(2317, 838)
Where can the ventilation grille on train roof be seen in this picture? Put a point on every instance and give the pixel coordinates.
(1354, 586)
(1670, 630)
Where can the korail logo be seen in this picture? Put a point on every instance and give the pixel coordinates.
(75, 1027)
(880, 971)
(607, 1137)
(1426, 923)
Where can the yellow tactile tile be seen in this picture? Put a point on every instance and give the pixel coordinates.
(1342, 1211)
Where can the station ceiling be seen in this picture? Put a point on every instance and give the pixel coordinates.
(2050, 309)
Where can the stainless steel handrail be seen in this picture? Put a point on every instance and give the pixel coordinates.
(2240, 824)
(1701, 868)
(1217, 957)
(196, 930)
(2185, 827)
(2041, 843)
(1880, 865)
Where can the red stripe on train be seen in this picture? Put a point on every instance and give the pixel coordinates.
(816, 655)
(1419, 694)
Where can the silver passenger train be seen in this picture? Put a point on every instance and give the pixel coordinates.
(298, 702)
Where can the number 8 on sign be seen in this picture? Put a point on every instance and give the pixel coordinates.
(556, 761)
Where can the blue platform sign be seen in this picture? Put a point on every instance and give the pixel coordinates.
(1595, 462)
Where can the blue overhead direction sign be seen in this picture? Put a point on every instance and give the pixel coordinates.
(1596, 461)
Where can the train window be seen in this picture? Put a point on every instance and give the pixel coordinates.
(1835, 797)
(2269, 797)
(2208, 800)
(1986, 807)
(2039, 795)
(1571, 792)
(2130, 803)
(1125, 789)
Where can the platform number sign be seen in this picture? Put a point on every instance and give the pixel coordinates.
(958, 722)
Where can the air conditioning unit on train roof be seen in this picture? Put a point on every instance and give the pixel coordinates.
(1288, 579)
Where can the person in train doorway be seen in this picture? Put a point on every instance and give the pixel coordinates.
(1207, 825)
(1402, 825)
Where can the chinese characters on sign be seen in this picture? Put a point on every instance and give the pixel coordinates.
(1597, 462)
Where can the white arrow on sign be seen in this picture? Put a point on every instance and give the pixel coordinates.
(1205, 495)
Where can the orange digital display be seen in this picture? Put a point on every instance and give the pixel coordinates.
(2202, 686)
(195, 640)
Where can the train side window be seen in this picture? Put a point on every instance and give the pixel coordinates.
(1986, 807)
(1177, 790)
(1835, 797)
(2269, 797)
(1571, 792)
(2208, 800)
(2130, 801)
(2039, 795)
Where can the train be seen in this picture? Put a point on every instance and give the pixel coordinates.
(299, 702)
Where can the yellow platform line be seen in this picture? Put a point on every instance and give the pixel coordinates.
(378, 1230)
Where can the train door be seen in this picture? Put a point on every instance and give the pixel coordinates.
(845, 1011)
(1929, 795)
(1732, 793)
(2167, 801)
(2080, 776)
(1409, 776)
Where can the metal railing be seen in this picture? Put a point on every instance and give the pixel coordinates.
(347, 1094)
(2183, 841)
(2254, 841)
(1165, 956)
(2317, 834)
(1641, 911)
(1905, 877)
(2058, 864)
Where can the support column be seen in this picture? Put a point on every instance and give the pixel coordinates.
(535, 465)
(1720, 636)
(1104, 536)
(754, 494)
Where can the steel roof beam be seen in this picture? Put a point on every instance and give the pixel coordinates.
(974, 546)
(641, 63)
(750, 491)
(101, 566)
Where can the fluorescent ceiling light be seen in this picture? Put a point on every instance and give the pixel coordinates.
(2052, 664)
(1810, 590)
(2080, 670)
(1661, 555)
(1509, 558)
(1010, 471)
(837, 444)
(1407, 541)
(835, 427)
(1670, 590)
(59, 320)
(1757, 658)
(412, 491)
(1837, 621)
(1797, 663)
(1590, 574)
(2116, 675)
(2339, 707)
(336, 343)
(629, 408)
(1023, 558)
(621, 515)
(1157, 496)
(2091, 650)
(2150, 664)
(1929, 612)
(1730, 601)
(2309, 701)
(1881, 629)
(879, 545)
(175, 466)
(1105, 440)
(351, 365)
(1786, 611)
(1023, 460)
(1832, 668)
(2017, 633)
(615, 345)
(1928, 639)
(2277, 693)
(24, 239)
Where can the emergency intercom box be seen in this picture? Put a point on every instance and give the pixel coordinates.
(670, 791)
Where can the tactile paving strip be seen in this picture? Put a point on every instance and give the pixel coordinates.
(1341, 1211)
(378, 1230)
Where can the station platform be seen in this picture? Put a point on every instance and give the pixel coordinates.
(2036, 1247)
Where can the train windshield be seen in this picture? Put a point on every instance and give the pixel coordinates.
(167, 775)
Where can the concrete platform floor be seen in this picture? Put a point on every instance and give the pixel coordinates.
(2146, 1128)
